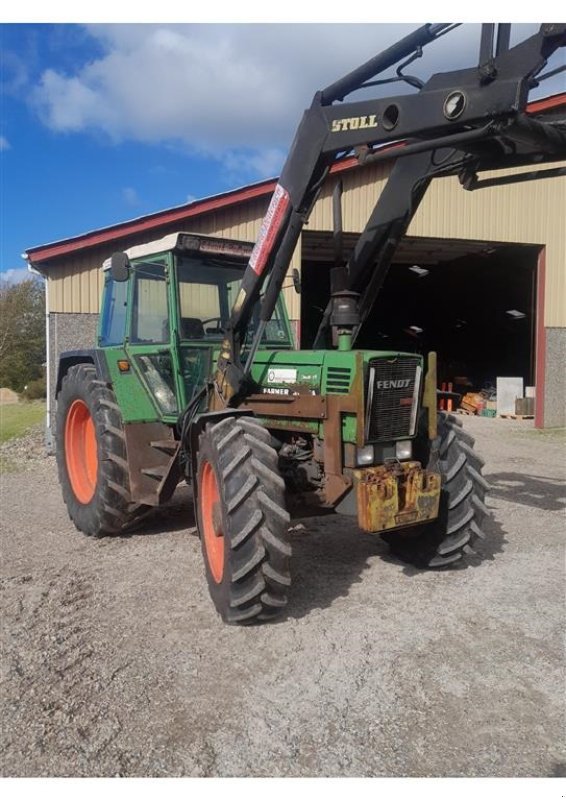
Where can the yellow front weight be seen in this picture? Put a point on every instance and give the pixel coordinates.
(396, 495)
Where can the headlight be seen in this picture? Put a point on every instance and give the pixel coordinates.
(365, 455)
(403, 450)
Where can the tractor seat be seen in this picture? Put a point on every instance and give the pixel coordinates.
(192, 328)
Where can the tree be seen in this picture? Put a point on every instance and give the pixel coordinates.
(22, 332)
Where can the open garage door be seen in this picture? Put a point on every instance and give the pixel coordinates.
(474, 303)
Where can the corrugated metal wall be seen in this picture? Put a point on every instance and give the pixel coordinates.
(530, 213)
(75, 285)
(199, 301)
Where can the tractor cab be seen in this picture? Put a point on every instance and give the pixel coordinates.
(164, 311)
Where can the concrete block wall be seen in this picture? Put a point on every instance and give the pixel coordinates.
(555, 379)
(66, 332)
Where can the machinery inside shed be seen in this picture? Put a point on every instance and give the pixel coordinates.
(474, 303)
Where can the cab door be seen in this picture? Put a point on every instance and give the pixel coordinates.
(150, 341)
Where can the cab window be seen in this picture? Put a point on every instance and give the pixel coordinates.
(113, 318)
(150, 315)
(207, 292)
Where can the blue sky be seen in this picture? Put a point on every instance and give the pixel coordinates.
(103, 123)
(58, 182)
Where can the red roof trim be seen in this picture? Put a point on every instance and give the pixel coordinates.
(42, 253)
(547, 102)
(150, 222)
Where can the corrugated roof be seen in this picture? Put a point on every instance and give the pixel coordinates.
(46, 252)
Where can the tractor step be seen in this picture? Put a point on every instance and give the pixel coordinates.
(168, 446)
(157, 472)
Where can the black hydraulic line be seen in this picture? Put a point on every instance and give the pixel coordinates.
(455, 140)
(349, 83)
(474, 182)
(551, 73)
(541, 135)
(337, 226)
(412, 80)
(258, 336)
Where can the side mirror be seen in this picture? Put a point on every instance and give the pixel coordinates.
(296, 280)
(119, 267)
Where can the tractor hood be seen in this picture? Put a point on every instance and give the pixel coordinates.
(313, 371)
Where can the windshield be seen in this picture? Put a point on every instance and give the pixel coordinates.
(207, 292)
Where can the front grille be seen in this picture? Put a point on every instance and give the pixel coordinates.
(392, 397)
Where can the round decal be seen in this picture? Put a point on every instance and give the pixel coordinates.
(454, 105)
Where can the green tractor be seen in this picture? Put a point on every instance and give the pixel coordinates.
(323, 429)
(195, 376)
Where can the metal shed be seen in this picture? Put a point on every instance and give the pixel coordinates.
(513, 233)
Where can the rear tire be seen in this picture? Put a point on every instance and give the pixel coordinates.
(462, 512)
(242, 520)
(91, 455)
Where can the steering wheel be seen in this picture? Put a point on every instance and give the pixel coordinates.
(218, 327)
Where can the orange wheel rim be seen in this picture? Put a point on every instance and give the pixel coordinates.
(81, 452)
(211, 526)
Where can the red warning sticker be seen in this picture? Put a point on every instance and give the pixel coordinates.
(269, 229)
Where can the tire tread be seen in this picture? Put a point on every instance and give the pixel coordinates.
(462, 511)
(111, 508)
(255, 521)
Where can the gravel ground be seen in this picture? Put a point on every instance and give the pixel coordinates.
(115, 663)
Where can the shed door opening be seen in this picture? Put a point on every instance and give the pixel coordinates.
(473, 303)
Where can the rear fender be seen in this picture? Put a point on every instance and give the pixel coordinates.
(71, 358)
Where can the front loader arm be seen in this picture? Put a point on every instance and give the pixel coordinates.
(479, 114)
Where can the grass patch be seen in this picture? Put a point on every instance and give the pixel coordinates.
(17, 419)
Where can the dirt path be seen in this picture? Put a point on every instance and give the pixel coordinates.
(115, 663)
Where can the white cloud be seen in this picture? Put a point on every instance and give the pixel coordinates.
(232, 92)
(261, 163)
(72, 103)
(130, 196)
(16, 275)
(4, 143)
(211, 86)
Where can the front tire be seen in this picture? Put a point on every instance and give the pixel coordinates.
(91, 454)
(462, 513)
(242, 520)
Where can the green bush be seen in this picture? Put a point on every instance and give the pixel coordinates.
(22, 333)
(35, 390)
